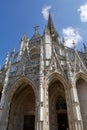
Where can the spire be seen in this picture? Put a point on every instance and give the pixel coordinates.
(51, 26)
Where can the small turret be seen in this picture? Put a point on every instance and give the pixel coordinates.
(23, 44)
(36, 30)
(12, 55)
(24, 37)
(63, 41)
(24, 41)
(47, 45)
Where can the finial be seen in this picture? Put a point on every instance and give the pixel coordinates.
(63, 40)
(84, 47)
(24, 37)
(50, 21)
(12, 55)
(74, 45)
(13, 51)
(36, 29)
(7, 58)
(49, 14)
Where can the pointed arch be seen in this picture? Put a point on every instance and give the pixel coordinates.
(81, 75)
(22, 98)
(20, 81)
(58, 86)
(57, 76)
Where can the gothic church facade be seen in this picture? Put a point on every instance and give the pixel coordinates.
(44, 85)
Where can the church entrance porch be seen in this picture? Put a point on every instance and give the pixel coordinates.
(22, 109)
(58, 118)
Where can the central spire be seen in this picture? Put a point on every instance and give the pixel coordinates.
(51, 26)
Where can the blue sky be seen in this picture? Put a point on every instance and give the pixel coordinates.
(19, 16)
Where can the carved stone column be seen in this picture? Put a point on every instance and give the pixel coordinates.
(40, 123)
(77, 120)
(46, 109)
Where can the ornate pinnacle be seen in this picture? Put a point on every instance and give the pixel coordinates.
(7, 58)
(14, 50)
(84, 47)
(74, 45)
(24, 37)
(36, 29)
(63, 41)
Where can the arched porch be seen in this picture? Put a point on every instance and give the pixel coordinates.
(58, 115)
(20, 106)
(59, 103)
(22, 109)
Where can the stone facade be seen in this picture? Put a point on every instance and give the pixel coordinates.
(44, 85)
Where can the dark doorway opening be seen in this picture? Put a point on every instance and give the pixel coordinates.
(62, 121)
(29, 122)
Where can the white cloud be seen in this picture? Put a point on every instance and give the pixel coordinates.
(71, 34)
(83, 13)
(45, 11)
